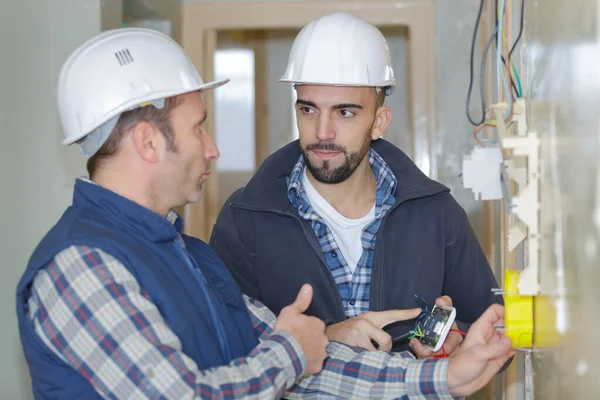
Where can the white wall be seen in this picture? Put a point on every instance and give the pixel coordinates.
(279, 95)
(36, 173)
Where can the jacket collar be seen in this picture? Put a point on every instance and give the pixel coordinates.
(268, 188)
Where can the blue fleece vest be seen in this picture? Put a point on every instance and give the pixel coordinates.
(185, 279)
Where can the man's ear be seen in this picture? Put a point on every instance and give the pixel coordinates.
(383, 117)
(146, 140)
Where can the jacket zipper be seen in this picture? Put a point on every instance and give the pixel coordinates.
(314, 243)
(377, 298)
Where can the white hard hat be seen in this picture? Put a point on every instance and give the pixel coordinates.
(343, 50)
(116, 71)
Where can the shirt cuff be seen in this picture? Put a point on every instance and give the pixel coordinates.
(428, 378)
(292, 353)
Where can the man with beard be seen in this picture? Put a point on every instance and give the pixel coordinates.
(348, 212)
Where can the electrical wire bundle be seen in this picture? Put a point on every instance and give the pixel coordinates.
(506, 69)
(417, 331)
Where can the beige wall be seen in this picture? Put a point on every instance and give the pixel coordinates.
(36, 173)
(161, 9)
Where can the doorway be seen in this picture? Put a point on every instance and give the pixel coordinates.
(256, 40)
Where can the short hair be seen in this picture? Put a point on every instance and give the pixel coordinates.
(380, 98)
(159, 117)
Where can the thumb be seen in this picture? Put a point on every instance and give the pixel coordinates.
(443, 301)
(303, 299)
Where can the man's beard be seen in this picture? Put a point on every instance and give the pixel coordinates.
(324, 173)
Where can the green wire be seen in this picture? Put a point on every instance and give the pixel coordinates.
(418, 333)
(518, 79)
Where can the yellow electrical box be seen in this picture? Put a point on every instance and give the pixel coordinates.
(529, 321)
(518, 312)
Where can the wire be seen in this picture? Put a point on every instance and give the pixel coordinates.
(501, 67)
(520, 29)
(503, 70)
(459, 331)
(518, 93)
(514, 46)
(471, 77)
(422, 301)
(443, 355)
(481, 77)
(512, 81)
(404, 336)
(416, 332)
(517, 87)
(478, 129)
(484, 58)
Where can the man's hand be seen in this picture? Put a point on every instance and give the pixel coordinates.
(482, 354)
(308, 331)
(360, 330)
(453, 340)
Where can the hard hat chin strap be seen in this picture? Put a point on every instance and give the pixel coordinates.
(91, 143)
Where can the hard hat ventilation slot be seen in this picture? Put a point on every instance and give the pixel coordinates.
(124, 57)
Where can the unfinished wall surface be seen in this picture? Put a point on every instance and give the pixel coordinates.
(563, 87)
(36, 172)
(455, 25)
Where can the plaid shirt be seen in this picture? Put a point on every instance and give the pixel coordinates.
(91, 313)
(354, 288)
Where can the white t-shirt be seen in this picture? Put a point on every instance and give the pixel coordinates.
(346, 232)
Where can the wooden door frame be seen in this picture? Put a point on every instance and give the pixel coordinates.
(202, 21)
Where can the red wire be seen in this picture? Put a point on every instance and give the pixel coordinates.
(443, 355)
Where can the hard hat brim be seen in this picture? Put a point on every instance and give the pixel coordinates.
(137, 102)
(391, 82)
